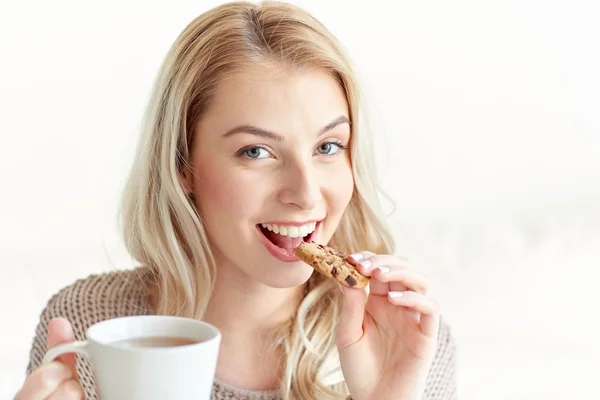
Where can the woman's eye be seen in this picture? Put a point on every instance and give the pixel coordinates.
(330, 148)
(255, 153)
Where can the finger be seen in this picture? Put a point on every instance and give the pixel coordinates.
(59, 332)
(369, 264)
(355, 258)
(401, 278)
(427, 308)
(363, 263)
(44, 381)
(390, 273)
(68, 390)
(350, 329)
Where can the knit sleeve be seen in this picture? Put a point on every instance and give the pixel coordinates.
(84, 303)
(441, 382)
(38, 347)
(67, 304)
(63, 305)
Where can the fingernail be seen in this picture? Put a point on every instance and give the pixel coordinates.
(384, 270)
(366, 264)
(395, 295)
(357, 256)
(340, 286)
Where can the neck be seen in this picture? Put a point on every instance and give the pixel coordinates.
(248, 314)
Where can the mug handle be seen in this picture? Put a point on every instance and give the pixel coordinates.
(79, 347)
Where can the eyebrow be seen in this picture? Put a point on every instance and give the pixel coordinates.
(253, 130)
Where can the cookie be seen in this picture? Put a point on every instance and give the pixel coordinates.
(331, 263)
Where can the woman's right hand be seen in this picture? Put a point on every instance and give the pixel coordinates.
(58, 379)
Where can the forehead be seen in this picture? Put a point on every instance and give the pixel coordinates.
(278, 99)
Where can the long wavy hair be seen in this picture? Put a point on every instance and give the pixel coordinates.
(161, 226)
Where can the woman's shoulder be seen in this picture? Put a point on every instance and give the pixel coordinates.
(93, 299)
(446, 341)
(102, 296)
(441, 381)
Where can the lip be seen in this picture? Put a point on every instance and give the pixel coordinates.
(293, 223)
(276, 252)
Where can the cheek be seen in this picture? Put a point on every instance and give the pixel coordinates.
(222, 193)
(340, 190)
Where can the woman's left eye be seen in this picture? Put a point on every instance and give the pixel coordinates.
(330, 148)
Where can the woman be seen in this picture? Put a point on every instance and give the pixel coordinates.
(252, 143)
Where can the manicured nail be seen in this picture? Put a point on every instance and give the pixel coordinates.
(357, 256)
(384, 270)
(366, 264)
(395, 295)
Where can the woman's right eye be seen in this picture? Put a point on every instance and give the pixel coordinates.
(255, 153)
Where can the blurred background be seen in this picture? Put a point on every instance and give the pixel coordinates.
(489, 123)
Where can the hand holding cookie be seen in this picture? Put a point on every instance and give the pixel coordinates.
(386, 344)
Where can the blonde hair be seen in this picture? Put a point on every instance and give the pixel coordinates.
(162, 228)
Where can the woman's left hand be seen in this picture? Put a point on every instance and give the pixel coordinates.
(387, 344)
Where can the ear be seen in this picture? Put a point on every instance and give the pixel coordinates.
(187, 180)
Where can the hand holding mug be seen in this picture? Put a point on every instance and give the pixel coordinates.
(134, 358)
(57, 379)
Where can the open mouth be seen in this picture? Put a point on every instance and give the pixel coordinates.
(284, 239)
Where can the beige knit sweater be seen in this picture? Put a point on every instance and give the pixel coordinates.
(125, 293)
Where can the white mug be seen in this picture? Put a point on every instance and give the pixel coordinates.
(149, 373)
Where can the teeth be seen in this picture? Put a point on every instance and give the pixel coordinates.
(291, 230)
(303, 231)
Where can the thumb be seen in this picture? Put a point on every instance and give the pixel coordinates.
(59, 332)
(350, 328)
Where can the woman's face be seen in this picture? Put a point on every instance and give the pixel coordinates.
(270, 169)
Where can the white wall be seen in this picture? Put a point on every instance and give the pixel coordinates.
(478, 99)
(489, 108)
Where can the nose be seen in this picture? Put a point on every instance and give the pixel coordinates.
(300, 186)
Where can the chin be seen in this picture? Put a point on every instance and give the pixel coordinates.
(287, 276)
